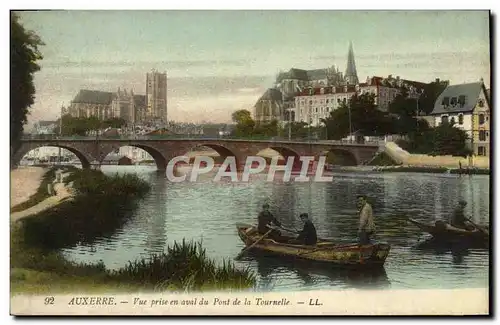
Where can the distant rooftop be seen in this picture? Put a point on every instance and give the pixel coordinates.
(458, 98)
(93, 97)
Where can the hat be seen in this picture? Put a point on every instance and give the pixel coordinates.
(304, 215)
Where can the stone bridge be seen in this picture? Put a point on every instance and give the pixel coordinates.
(94, 150)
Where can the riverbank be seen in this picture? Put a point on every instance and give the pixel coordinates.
(37, 266)
(24, 183)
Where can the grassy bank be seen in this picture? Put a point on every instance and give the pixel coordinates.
(101, 206)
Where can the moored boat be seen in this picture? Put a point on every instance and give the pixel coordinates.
(445, 232)
(339, 255)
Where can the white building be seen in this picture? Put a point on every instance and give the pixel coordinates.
(467, 106)
(314, 104)
(45, 127)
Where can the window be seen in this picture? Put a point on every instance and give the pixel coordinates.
(482, 135)
(338, 100)
(481, 119)
(316, 110)
(481, 151)
(310, 102)
(446, 101)
(461, 119)
(327, 101)
(453, 101)
(480, 103)
(444, 119)
(461, 100)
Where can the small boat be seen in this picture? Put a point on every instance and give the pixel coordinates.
(340, 255)
(443, 231)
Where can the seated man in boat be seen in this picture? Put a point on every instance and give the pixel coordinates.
(267, 219)
(308, 234)
(366, 223)
(458, 219)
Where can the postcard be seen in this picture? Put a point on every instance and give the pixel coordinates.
(250, 163)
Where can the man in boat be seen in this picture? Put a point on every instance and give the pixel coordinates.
(366, 223)
(458, 219)
(308, 234)
(266, 219)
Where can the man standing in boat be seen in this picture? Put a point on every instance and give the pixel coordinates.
(458, 219)
(266, 219)
(366, 223)
(308, 234)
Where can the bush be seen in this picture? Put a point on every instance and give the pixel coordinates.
(184, 266)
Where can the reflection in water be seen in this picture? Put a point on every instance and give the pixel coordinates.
(310, 274)
(210, 210)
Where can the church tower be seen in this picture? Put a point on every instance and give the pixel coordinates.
(351, 75)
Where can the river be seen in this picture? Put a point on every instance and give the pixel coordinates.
(208, 211)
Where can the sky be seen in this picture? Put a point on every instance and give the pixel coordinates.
(221, 61)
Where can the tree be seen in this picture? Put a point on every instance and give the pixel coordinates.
(360, 114)
(82, 125)
(429, 96)
(244, 123)
(449, 140)
(24, 54)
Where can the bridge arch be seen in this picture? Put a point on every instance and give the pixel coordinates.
(285, 152)
(85, 160)
(221, 150)
(158, 157)
(337, 156)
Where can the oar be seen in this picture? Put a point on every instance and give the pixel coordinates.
(477, 226)
(255, 243)
(290, 230)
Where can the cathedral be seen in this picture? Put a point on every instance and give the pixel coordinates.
(277, 101)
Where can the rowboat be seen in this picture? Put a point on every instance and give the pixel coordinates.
(339, 255)
(447, 233)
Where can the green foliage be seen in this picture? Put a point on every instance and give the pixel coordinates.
(429, 96)
(81, 125)
(361, 115)
(444, 139)
(244, 123)
(101, 205)
(184, 266)
(382, 159)
(24, 54)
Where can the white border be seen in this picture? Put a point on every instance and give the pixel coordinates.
(148, 4)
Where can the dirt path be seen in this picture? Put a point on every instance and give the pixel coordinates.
(63, 193)
(24, 182)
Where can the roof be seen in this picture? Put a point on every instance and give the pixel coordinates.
(301, 74)
(272, 94)
(471, 92)
(317, 74)
(93, 97)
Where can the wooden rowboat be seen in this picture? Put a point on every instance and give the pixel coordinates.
(341, 255)
(445, 232)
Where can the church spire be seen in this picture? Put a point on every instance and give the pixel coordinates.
(351, 76)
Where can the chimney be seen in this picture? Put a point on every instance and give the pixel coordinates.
(397, 78)
(390, 76)
(437, 80)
